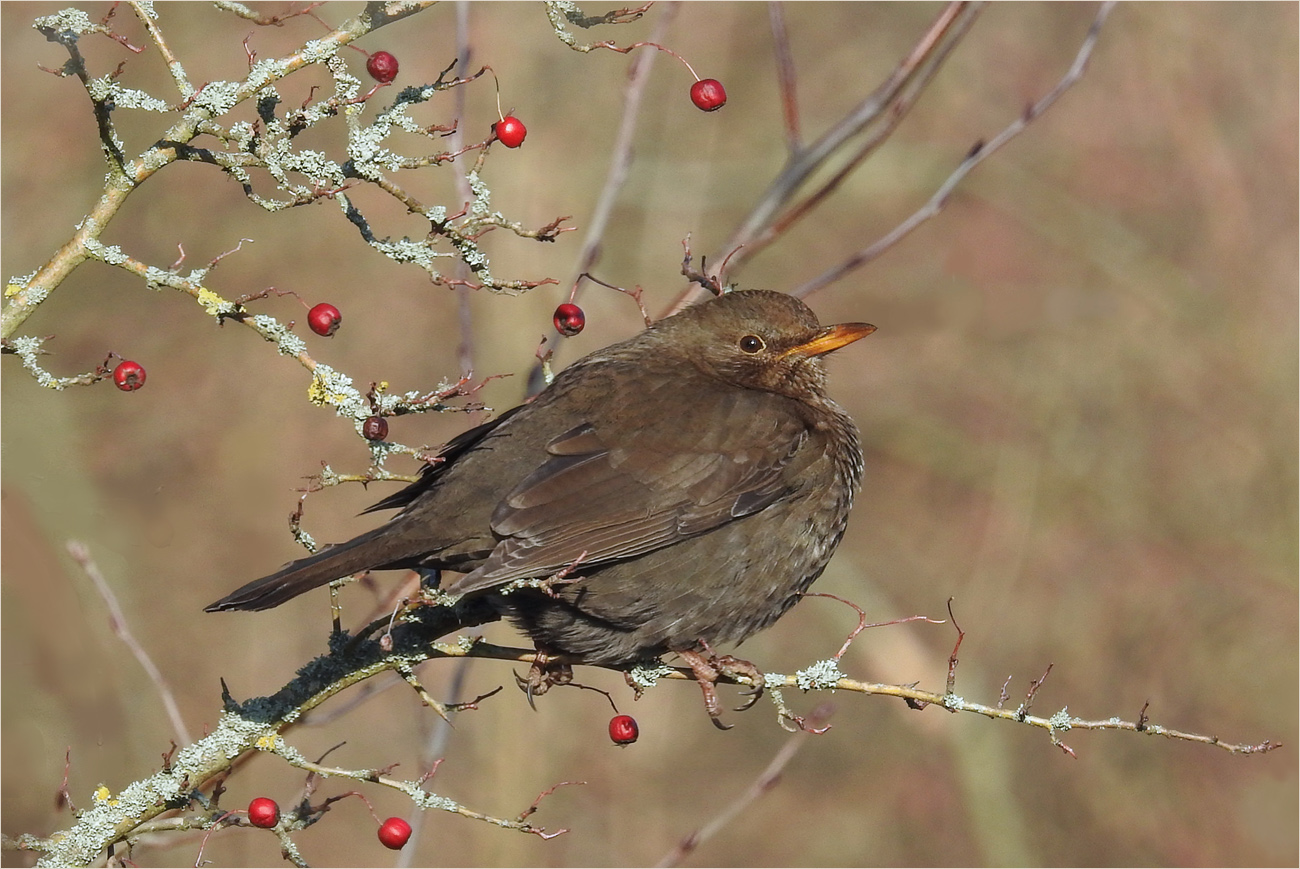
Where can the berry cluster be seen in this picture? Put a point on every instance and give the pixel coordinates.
(264, 812)
(707, 94)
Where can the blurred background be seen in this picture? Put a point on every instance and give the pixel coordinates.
(1079, 412)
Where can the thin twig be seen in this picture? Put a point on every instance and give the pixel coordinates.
(766, 780)
(117, 620)
(863, 114)
(1060, 722)
(952, 659)
(785, 75)
(435, 749)
(880, 131)
(621, 154)
(464, 312)
(977, 155)
(918, 67)
(620, 161)
(173, 64)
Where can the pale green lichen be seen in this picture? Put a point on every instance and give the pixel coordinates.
(407, 251)
(242, 134)
(72, 21)
(556, 12)
(426, 800)
(648, 673)
(285, 750)
(156, 278)
(318, 50)
(272, 330)
(262, 73)
(34, 294)
(482, 203)
(26, 348)
(217, 97)
(823, 674)
(110, 254)
(105, 88)
(346, 85)
(330, 387)
(379, 450)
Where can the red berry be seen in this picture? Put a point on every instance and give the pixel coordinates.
(623, 729)
(129, 376)
(375, 428)
(569, 319)
(263, 812)
(394, 833)
(510, 131)
(382, 67)
(324, 319)
(708, 95)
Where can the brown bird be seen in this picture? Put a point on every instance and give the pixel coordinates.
(690, 483)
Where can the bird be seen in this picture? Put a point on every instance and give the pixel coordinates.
(671, 493)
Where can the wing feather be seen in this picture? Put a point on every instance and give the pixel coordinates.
(615, 493)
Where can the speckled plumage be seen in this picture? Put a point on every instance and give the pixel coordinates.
(699, 466)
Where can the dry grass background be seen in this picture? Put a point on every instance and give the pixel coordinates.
(1080, 414)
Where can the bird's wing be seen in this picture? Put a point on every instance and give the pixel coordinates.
(614, 493)
(432, 472)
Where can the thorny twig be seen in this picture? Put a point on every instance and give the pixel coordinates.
(952, 659)
(1060, 722)
(862, 620)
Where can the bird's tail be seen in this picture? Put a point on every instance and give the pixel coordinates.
(296, 577)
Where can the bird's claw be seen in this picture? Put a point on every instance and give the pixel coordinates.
(707, 667)
(752, 696)
(542, 675)
(734, 667)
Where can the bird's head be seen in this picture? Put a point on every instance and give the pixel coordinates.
(759, 339)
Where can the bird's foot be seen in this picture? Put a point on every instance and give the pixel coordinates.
(708, 667)
(542, 675)
(757, 681)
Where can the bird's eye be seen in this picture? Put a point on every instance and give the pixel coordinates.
(751, 344)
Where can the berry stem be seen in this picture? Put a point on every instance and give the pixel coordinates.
(497, 83)
(612, 47)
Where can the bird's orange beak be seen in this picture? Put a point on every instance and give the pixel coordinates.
(833, 338)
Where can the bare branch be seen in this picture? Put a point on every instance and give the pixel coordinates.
(620, 161)
(767, 779)
(977, 155)
(885, 106)
(785, 75)
(117, 621)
